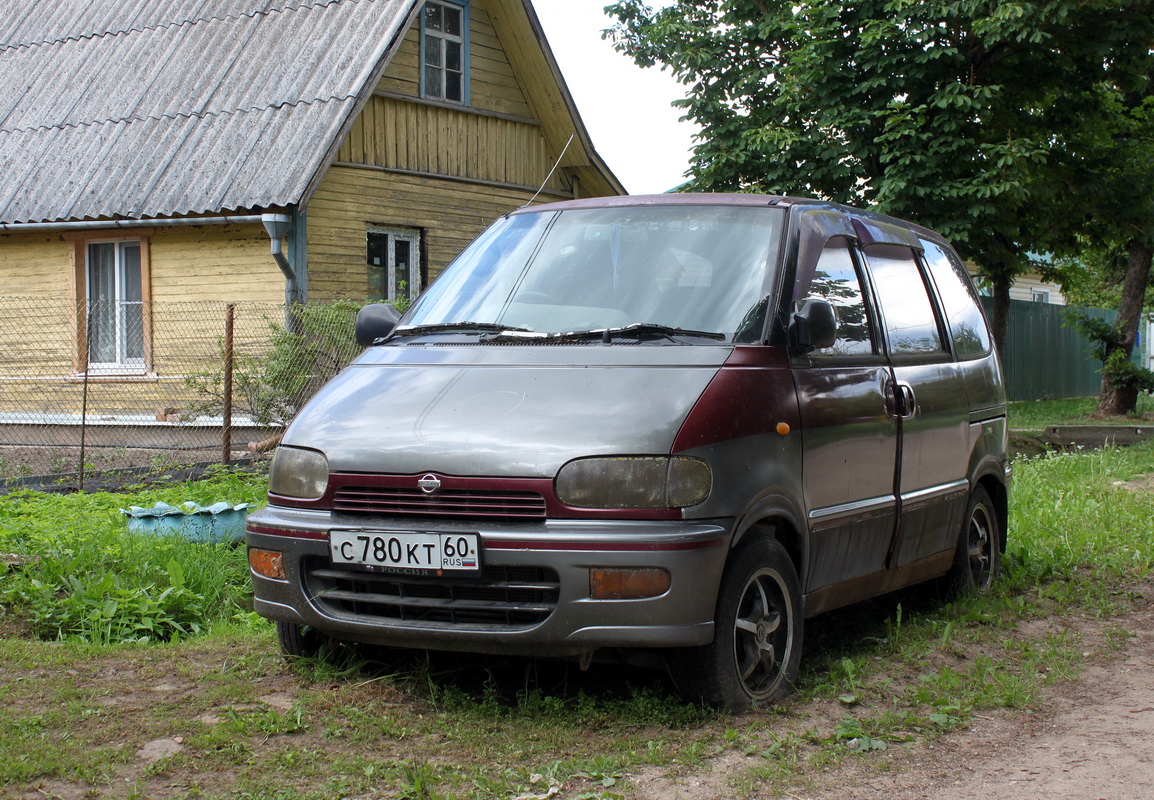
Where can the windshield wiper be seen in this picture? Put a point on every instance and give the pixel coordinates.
(639, 330)
(453, 327)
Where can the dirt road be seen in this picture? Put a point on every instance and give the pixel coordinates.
(1093, 741)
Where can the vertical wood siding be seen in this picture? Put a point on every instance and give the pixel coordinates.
(395, 134)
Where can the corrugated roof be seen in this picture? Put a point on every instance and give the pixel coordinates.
(148, 108)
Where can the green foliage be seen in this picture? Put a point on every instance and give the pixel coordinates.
(85, 576)
(272, 386)
(1106, 344)
(1008, 127)
(108, 610)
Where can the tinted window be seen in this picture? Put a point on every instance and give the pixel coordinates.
(836, 281)
(910, 324)
(959, 301)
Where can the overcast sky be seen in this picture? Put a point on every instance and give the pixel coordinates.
(625, 108)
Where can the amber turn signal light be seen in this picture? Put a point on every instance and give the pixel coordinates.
(624, 583)
(269, 563)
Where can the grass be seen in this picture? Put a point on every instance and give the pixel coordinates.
(1035, 415)
(87, 577)
(878, 676)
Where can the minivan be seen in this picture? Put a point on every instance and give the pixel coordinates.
(678, 424)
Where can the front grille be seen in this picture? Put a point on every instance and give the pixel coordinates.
(508, 506)
(505, 597)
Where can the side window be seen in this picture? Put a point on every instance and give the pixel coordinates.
(836, 281)
(910, 323)
(394, 264)
(959, 301)
(445, 52)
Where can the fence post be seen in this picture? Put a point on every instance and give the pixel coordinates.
(84, 393)
(226, 427)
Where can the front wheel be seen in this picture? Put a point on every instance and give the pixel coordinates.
(978, 558)
(756, 646)
(299, 641)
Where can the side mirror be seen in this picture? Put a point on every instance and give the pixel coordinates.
(814, 326)
(376, 321)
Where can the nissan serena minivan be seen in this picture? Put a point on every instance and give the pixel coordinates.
(680, 423)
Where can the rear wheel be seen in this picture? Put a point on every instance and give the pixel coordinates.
(756, 646)
(978, 558)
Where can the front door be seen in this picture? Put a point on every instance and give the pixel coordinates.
(850, 439)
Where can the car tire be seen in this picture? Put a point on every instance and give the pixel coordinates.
(299, 641)
(756, 649)
(978, 556)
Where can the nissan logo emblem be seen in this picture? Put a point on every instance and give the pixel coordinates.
(429, 483)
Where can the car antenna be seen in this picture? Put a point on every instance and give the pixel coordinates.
(564, 150)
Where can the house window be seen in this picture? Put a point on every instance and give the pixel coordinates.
(445, 52)
(114, 308)
(394, 264)
(1040, 296)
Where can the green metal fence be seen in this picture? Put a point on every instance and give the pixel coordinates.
(1045, 358)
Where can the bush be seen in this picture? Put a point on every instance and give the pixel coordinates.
(270, 387)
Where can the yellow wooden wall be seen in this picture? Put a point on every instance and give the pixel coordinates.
(350, 200)
(493, 85)
(417, 137)
(232, 263)
(195, 272)
(493, 156)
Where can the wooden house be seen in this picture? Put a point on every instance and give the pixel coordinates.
(157, 153)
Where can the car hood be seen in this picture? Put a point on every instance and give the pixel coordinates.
(502, 411)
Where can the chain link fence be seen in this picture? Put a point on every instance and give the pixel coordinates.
(109, 391)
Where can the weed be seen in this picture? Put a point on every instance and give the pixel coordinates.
(94, 580)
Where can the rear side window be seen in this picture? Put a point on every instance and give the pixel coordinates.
(836, 281)
(959, 302)
(910, 323)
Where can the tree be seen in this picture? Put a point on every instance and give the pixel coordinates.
(940, 111)
(1108, 191)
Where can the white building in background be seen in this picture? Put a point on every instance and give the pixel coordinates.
(1034, 288)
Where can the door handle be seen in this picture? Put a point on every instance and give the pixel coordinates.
(903, 404)
(906, 404)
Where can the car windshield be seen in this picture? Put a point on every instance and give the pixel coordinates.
(695, 268)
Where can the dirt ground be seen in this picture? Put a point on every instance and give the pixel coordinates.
(1093, 738)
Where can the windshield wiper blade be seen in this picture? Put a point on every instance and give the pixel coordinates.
(454, 327)
(640, 330)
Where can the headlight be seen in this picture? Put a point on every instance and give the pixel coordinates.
(303, 474)
(634, 482)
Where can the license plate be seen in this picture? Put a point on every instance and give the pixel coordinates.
(404, 550)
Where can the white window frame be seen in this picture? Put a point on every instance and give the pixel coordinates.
(122, 363)
(413, 237)
(1040, 295)
(437, 39)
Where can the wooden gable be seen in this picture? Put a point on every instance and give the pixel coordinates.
(446, 170)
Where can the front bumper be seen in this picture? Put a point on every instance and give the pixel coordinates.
(532, 597)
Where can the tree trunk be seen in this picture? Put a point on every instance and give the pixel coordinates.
(1117, 400)
(999, 320)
